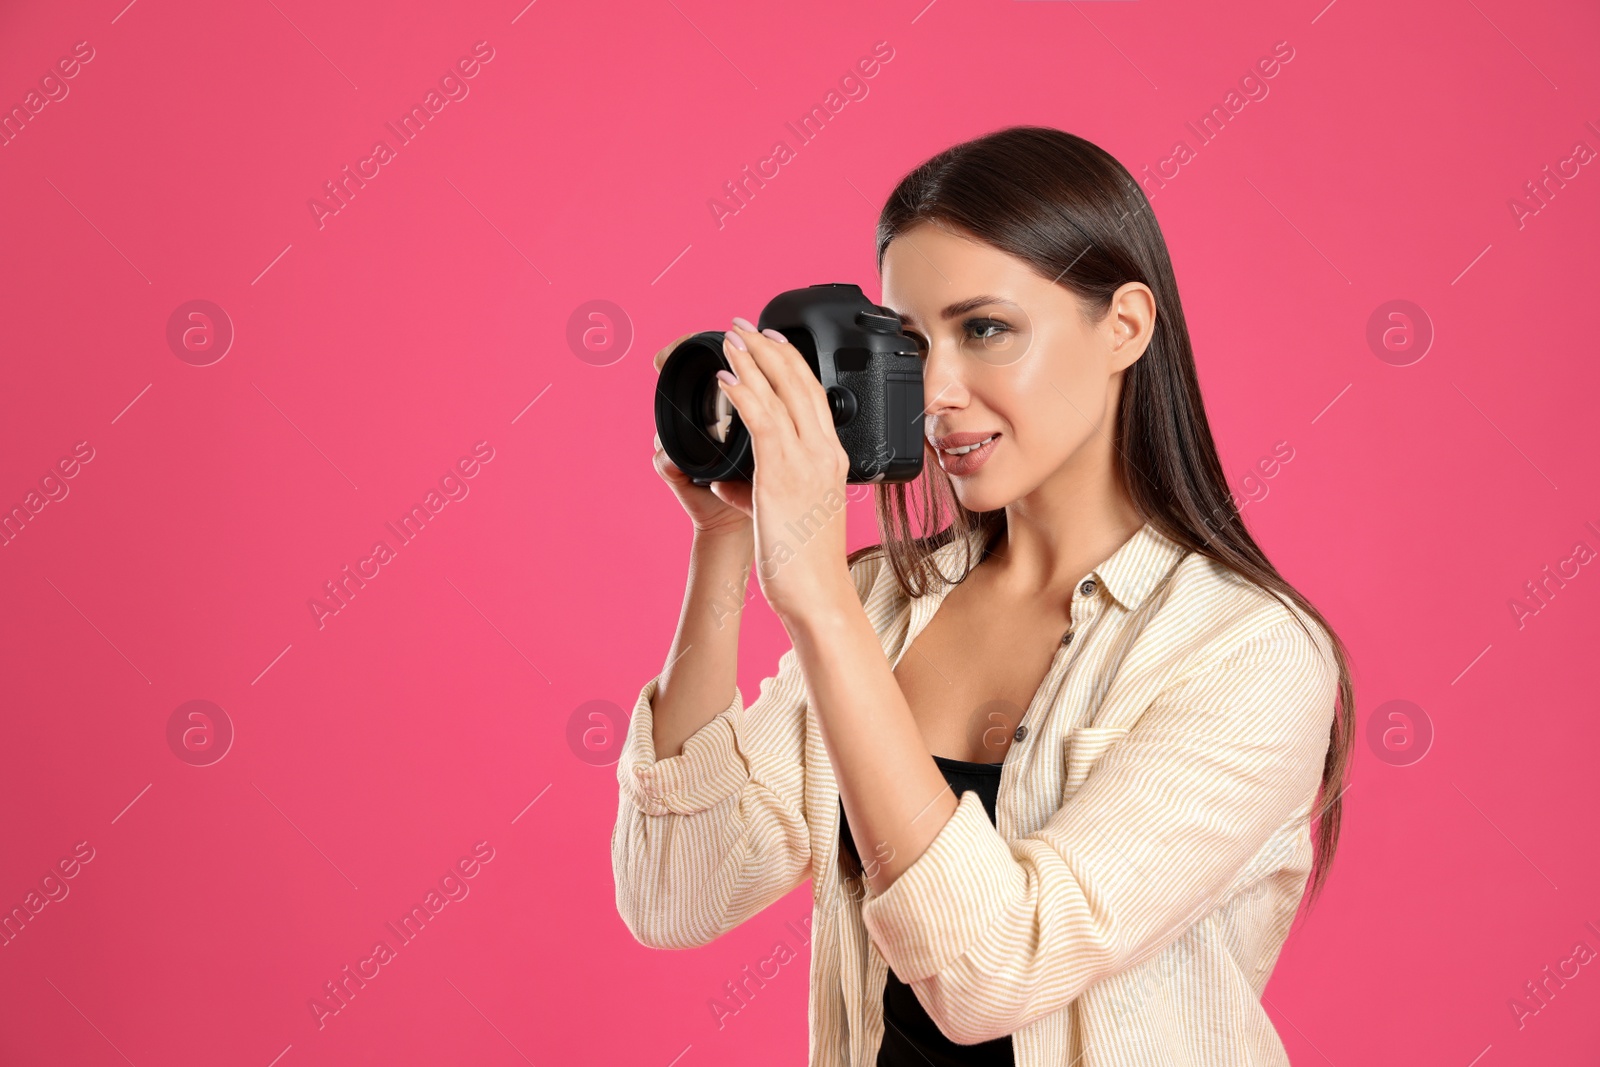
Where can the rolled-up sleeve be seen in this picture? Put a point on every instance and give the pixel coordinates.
(707, 771)
(708, 837)
(992, 935)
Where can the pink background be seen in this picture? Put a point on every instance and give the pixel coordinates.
(373, 351)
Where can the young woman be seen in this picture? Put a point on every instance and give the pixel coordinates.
(1061, 764)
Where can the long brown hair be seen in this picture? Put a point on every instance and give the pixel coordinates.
(1074, 213)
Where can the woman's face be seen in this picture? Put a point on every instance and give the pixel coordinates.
(1009, 357)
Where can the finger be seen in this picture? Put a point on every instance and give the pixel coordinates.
(766, 420)
(665, 467)
(819, 396)
(762, 410)
(664, 462)
(736, 494)
(792, 381)
(661, 356)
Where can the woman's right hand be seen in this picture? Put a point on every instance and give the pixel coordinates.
(723, 507)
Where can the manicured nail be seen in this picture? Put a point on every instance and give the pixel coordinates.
(738, 342)
(769, 332)
(728, 376)
(744, 324)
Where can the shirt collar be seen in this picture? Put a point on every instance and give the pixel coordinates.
(1133, 570)
(1128, 574)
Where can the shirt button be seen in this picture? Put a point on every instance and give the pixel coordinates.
(1022, 732)
(1066, 638)
(1087, 588)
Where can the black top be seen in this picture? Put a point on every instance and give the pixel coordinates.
(910, 1037)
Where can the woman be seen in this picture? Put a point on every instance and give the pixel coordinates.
(1074, 823)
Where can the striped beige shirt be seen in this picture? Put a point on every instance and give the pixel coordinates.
(1149, 849)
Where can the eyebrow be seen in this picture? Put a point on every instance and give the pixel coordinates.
(961, 307)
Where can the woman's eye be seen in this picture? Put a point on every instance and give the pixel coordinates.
(977, 330)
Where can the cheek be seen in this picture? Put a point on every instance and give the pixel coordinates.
(1054, 406)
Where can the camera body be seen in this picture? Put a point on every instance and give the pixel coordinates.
(869, 369)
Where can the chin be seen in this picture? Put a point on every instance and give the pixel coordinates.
(979, 493)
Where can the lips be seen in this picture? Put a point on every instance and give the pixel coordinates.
(960, 440)
(965, 463)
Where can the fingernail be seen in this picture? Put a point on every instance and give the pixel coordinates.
(728, 376)
(744, 324)
(774, 335)
(738, 342)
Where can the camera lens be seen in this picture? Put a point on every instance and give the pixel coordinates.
(699, 429)
(716, 415)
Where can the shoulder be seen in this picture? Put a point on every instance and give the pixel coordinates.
(866, 566)
(1220, 613)
(877, 587)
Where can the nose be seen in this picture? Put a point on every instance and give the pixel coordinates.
(943, 391)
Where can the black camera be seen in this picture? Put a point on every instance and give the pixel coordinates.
(870, 370)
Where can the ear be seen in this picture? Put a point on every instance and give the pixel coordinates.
(1132, 321)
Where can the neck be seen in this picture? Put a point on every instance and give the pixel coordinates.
(1072, 522)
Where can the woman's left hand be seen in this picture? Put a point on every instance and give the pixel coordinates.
(797, 496)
